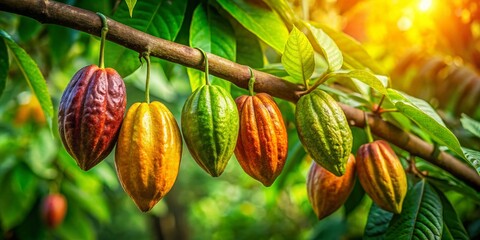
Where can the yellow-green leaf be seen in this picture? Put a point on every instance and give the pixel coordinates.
(330, 50)
(297, 57)
(131, 5)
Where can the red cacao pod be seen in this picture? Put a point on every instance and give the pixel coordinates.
(53, 209)
(326, 191)
(91, 113)
(381, 175)
(262, 142)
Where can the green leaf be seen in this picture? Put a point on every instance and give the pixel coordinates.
(32, 74)
(212, 33)
(260, 20)
(28, 28)
(354, 55)
(249, 51)
(76, 225)
(453, 227)
(365, 77)
(426, 118)
(470, 125)
(377, 223)
(330, 50)
(160, 18)
(91, 201)
(298, 56)
(18, 196)
(4, 66)
(131, 5)
(60, 41)
(473, 157)
(421, 217)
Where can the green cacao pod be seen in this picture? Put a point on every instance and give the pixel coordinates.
(148, 153)
(324, 131)
(210, 127)
(381, 175)
(327, 192)
(262, 142)
(91, 113)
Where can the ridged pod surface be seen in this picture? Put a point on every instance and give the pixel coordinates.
(262, 142)
(210, 127)
(148, 153)
(327, 192)
(381, 175)
(91, 113)
(324, 131)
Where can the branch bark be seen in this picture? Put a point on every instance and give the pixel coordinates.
(51, 12)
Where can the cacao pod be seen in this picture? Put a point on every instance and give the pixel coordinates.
(53, 210)
(91, 113)
(381, 175)
(210, 127)
(148, 153)
(262, 142)
(324, 131)
(327, 192)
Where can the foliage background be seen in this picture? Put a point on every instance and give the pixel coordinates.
(232, 206)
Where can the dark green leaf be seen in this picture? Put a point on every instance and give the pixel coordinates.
(421, 217)
(453, 227)
(212, 33)
(61, 40)
(354, 199)
(131, 5)
(76, 225)
(28, 28)
(330, 50)
(426, 118)
(249, 51)
(473, 157)
(91, 201)
(471, 125)
(32, 74)
(298, 56)
(377, 223)
(260, 20)
(18, 196)
(160, 18)
(4, 66)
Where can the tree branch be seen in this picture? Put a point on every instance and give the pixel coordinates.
(86, 21)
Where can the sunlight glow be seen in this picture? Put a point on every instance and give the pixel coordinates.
(424, 5)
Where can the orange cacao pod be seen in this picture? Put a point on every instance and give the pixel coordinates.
(54, 207)
(91, 113)
(262, 142)
(327, 192)
(381, 175)
(148, 153)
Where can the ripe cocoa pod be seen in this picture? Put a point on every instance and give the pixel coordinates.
(327, 192)
(91, 113)
(148, 153)
(53, 209)
(210, 127)
(324, 131)
(381, 175)
(262, 142)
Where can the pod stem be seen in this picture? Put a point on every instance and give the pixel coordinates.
(251, 82)
(146, 56)
(377, 110)
(367, 128)
(206, 65)
(102, 40)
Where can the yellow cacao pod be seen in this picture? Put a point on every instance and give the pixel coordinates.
(381, 175)
(148, 153)
(327, 192)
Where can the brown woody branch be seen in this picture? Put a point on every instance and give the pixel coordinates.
(50, 12)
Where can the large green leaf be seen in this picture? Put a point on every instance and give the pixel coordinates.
(473, 157)
(212, 33)
(453, 227)
(32, 74)
(470, 125)
(298, 56)
(160, 18)
(330, 50)
(426, 118)
(377, 223)
(60, 41)
(260, 20)
(18, 196)
(28, 28)
(4, 66)
(354, 55)
(421, 217)
(249, 51)
(365, 77)
(76, 225)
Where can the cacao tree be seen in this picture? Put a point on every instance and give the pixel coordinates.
(348, 122)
